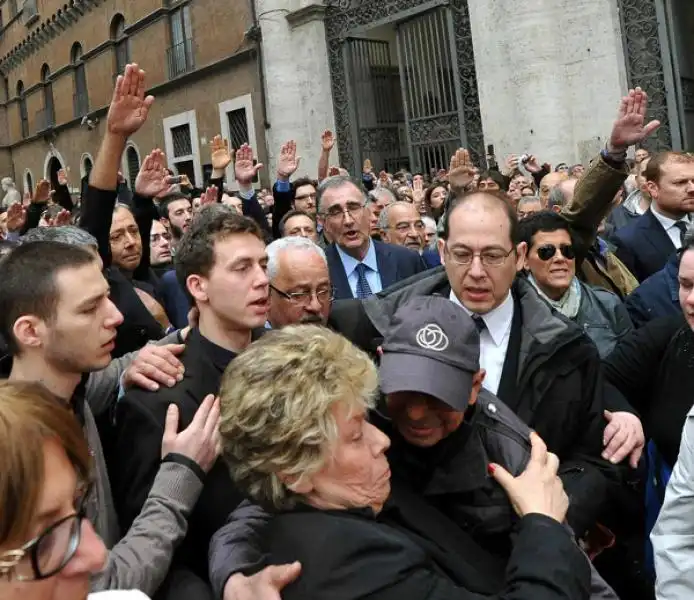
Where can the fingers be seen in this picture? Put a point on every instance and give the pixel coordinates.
(635, 455)
(651, 128)
(618, 447)
(552, 464)
(212, 423)
(502, 477)
(609, 433)
(281, 575)
(538, 452)
(171, 424)
(202, 414)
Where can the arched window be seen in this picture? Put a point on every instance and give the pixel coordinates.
(132, 160)
(48, 114)
(23, 114)
(29, 182)
(80, 96)
(87, 165)
(121, 43)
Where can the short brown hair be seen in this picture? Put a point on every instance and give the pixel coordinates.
(195, 254)
(657, 161)
(30, 415)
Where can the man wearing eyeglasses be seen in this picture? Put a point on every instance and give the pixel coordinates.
(359, 266)
(538, 364)
(402, 225)
(300, 290)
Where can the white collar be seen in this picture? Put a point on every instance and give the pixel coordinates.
(350, 263)
(498, 320)
(667, 222)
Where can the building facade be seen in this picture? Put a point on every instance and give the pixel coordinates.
(401, 82)
(411, 80)
(59, 60)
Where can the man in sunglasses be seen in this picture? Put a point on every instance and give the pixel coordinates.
(551, 267)
(300, 289)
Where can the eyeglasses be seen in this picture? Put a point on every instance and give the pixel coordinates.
(324, 296)
(306, 197)
(548, 251)
(353, 208)
(492, 257)
(157, 237)
(49, 552)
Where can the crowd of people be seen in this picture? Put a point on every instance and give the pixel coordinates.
(463, 384)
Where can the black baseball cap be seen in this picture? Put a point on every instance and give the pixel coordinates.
(433, 347)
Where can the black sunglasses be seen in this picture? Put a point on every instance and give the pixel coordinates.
(548, 251)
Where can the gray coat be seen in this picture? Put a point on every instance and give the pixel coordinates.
(603, 317)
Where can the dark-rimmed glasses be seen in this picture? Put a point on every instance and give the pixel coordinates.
(548, 251)
(491, 257)
(49, 552)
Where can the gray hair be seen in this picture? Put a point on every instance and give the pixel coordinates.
(378, 192)
(528, 200)
(68, 234)
(383, 218)
(335, 182)
(556, 198)
(287, 243)
(430, 222)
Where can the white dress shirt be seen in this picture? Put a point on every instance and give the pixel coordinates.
(493, 340)
(350, 265)
(669, 226)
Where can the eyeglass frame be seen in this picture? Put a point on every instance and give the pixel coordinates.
(294, 297)
(557, 247)
(502, 259)
(353, 212)
(10, 559)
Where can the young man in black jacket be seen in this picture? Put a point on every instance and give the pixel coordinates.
(221, 261)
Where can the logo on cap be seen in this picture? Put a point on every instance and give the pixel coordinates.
(432, 337)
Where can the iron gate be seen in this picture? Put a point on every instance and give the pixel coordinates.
(376, 102)
(431, 89)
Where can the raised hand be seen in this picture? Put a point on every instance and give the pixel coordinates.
(327, 141)
(244, 169)
(368, 167)
(16, 217)
(288, 161)
(418, 191)
(64, 217)
(630, 127)
(63, 177)
(461, 171)
(152, 180)
(221, 155)
(209, 196)
(532, 164)
(42, 193)
(129, 106)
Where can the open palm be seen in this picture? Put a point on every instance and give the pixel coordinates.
(630, 127)
(244, 169)
(129, 106)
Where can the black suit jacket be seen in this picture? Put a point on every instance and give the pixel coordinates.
(395, 263)
(643, 246)
(140, 419)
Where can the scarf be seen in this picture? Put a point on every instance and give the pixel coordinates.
(568, 304)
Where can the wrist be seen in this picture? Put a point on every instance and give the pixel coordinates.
(282, 177)
(245, 186)
(217, 174)
(615, 151)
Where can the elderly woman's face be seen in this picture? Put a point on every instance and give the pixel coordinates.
(552, 270)
(357, 473)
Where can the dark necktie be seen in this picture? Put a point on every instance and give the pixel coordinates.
(363, 287)
(479, 323)
(682, 226)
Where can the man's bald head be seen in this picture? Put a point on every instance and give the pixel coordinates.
(548, 182)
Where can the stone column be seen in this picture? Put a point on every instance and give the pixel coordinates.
(297, 79)
(550, 75)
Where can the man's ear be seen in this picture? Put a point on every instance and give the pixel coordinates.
(440, 246)
(197, 286)
(29, 331)
(521, 255)
(652, 189)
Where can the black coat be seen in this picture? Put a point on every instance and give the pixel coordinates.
(411, 552)
(654, 369)
(555, 387)
(140, 420)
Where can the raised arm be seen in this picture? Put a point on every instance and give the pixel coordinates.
(327, 145)
(597, 189)
(127, 113)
